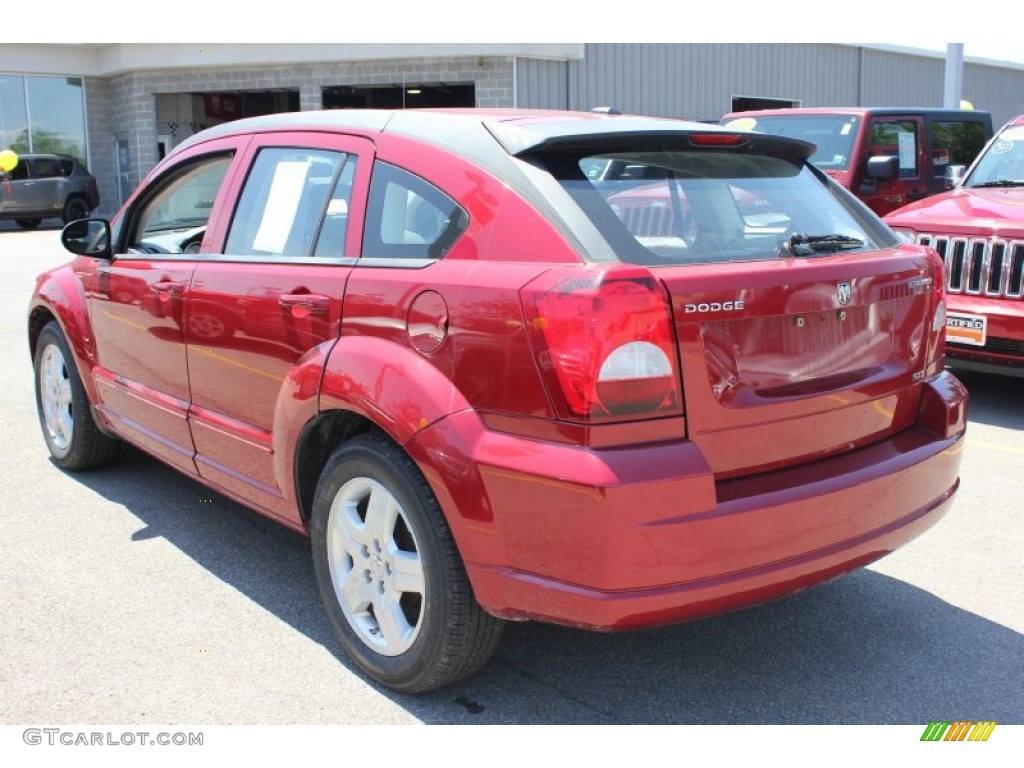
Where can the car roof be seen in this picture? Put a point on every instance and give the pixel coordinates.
(861, 111)
(33, 155)
(471, 131)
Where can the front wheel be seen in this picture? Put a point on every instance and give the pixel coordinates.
(389, 573)
(72, 437)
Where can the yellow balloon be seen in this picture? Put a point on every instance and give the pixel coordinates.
(742, 124)
(8, 161)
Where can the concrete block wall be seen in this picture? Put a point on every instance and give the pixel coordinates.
(124, 106)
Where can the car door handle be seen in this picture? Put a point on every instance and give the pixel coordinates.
(168, 289)
(311, 302)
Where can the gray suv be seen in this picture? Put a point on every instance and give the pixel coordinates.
(47, 186)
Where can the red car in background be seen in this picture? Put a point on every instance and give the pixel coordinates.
(436, 343)
(978, 229)
(888, 157)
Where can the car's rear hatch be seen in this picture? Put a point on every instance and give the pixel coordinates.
(803, 330)
(821, 356)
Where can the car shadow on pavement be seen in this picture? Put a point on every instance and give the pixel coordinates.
(52, 224)
(864, 649)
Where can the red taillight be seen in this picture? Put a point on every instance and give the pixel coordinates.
(605, 344)
(718, 139)
(936, 351)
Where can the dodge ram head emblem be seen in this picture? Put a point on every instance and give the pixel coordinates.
(844, 293)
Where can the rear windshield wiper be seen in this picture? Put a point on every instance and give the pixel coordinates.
(1000, 183)
(800, 244)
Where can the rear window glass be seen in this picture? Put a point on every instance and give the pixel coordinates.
(705, 206)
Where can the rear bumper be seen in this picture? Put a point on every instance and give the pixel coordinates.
(623, 538)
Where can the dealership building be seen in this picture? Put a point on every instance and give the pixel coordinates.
(121, 107)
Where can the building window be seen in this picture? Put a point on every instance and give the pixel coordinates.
(43, 114)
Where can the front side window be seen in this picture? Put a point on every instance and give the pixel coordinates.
(20, 172)
(284, 202)
(899, 138)
(703, 206)
(173, 220)
(408, 218)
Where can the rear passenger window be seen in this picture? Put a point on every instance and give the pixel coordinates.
(284, 201)
(955, 142)
(408, 218)
(331, 241)
(46, 168)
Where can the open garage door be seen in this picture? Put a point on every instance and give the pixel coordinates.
(399, 97)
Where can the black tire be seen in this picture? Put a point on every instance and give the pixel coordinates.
(28, 223)
(435, 636)
(63, 407)
(75, 208)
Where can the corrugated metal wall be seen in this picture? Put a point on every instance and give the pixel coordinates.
(901, 80)
(998, 90)
(700, 80)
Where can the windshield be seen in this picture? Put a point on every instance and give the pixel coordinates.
(1003, 162)
(833, 135)
(708, 205)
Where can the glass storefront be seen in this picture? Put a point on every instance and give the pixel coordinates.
(43, 114)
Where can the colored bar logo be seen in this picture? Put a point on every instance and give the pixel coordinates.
(958, 730)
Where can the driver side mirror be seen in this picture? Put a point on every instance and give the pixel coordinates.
(883, 167)
(954, 175)
(88, 237)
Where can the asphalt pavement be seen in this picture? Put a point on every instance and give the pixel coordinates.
(134, 595)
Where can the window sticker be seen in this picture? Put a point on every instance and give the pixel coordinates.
(742, 124)
(845, 130)
(1012, 134)
(282, 205)
(908, 151)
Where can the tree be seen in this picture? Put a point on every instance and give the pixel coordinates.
(47, 142)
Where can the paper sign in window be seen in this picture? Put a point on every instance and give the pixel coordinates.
(908, 151)
(282, 204)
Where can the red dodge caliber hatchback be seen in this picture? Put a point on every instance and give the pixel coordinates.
(605, 371)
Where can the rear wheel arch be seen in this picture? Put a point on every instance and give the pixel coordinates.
(319, 439)
(357, 392)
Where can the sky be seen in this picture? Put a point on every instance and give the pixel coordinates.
(909, 25)
(993, 50)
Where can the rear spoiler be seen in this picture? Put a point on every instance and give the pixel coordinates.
(631, 133)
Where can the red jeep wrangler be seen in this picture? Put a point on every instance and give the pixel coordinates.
(887, 157)
(978, 229)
